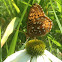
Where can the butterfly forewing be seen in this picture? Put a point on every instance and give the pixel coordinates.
(35, 12)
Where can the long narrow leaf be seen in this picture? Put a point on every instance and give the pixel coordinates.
(14, 40)
(13, 43)
(9, 1)
(12, 25)
(15, 6)
(57, 20)
(6, 7)
(59, 6)
(54, 41)
(25, 3)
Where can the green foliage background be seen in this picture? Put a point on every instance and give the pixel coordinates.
(20, 9)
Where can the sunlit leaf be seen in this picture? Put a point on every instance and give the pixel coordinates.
(59, 6)
(15, 6)
(58, 31)
(12, 25)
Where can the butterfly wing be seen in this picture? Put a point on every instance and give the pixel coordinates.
(35, 12)
(46, 25)
(41, 27)
(38, 23)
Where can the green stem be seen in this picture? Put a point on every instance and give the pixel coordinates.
(23, 14)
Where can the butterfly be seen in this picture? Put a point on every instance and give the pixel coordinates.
(38, 23)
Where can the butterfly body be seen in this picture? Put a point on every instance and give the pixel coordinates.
(38, 23)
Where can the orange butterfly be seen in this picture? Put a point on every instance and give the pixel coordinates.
(38, 23)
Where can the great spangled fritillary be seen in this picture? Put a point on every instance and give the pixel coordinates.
(38, 23)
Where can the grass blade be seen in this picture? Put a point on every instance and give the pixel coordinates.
(15, 6)
(57, 20)
(59, 6)
(13, 44)
(7, 7)
(54, 41)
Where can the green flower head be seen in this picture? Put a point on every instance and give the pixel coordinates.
(35, 47)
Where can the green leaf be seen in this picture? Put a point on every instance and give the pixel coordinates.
(59, 6)
(38, 1)
(12, 25)
(57, 20)
(54, 41)
(5, 3)
(13, 43)
(15, 6)
(50, 44)
(25, 3)
(14, 40)
(57, 31)
(9, 1)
